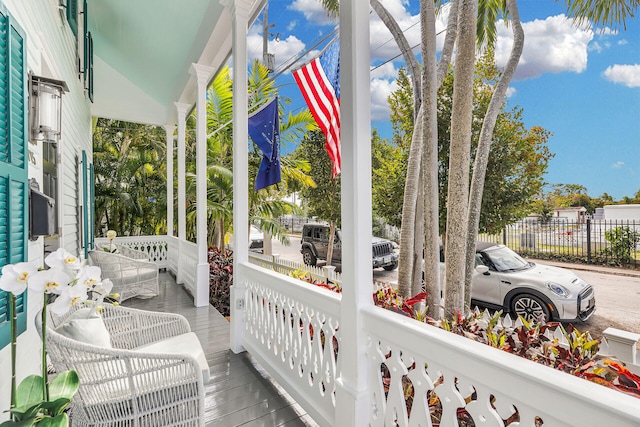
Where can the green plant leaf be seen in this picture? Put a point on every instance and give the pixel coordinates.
(61, 420)
(56, 407)
(64, 385)
(24, 423)
(26, 412)
(29, 390)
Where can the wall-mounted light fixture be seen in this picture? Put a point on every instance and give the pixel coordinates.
(45, 108)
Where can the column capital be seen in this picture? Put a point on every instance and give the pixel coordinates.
(169, 128)
(202, 73)
(182, 108)
(239, 8)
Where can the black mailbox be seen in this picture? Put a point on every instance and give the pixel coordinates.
(42, 214)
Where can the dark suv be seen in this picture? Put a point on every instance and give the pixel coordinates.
(315, 243)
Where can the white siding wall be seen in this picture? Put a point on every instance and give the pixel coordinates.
(51, 52)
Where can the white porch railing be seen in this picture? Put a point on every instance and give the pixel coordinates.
(292, 329)
(155, 246)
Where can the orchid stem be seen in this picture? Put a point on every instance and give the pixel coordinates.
(45, 376)
(14, 322)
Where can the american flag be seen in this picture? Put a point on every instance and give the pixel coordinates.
(319, 82)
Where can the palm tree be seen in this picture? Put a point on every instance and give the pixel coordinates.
(266, 204)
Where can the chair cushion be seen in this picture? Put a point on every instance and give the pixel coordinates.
(86, 326)
(180, 344)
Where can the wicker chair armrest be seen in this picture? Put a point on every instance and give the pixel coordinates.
(130, 328)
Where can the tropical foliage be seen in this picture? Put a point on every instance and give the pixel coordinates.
(516, 168)
(130, 165)
(130, 178)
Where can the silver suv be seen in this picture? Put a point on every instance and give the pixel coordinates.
(315, 243)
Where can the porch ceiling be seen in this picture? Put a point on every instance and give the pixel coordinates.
(143, 50)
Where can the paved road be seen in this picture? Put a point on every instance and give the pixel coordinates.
(617, 291)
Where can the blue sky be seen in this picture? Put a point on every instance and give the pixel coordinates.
(581, 84)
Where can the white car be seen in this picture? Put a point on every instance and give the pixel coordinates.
(504, 280)
(256, 239)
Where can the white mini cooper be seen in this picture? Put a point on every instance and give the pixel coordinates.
(504, 280)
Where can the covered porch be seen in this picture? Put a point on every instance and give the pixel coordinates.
(240, 392)
(343, 360)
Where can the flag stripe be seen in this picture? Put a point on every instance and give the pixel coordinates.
(324, 106)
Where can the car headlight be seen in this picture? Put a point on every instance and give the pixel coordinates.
(558, 289)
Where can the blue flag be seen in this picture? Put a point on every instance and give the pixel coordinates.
(264, 130)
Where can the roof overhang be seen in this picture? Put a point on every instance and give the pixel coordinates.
(144, 50)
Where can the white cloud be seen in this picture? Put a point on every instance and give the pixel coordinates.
(313, 11)
(380, 91)
(283, 49)
(622, 42)
(511, 91)
(552, 45)
(386, 71)
(617, 165)
(628, 75)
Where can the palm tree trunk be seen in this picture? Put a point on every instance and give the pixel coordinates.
(407, 231)
(484, 145)
(429, 205)
(459, 158)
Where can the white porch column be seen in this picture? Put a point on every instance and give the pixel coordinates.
(169, 129)
(240, 12)
(202, 74)
(352, 399)
(182, 109)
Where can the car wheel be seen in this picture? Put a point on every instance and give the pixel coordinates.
(308, 257)
(391, 267)
(530, 308)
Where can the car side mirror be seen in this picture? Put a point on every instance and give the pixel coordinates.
(482, 269)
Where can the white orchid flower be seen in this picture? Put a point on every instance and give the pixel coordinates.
(89, 276)
(69, 297)
(62, 258)
(15, 277)
(50, 281)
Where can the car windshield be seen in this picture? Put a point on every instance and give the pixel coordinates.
(505, 260)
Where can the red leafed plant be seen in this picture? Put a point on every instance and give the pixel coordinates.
(220, 279)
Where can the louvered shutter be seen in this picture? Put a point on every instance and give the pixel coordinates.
(72, 15)
(14, 196)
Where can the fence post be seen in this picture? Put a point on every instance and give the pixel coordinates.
(328, 271)
(504, 236)
(588, 241)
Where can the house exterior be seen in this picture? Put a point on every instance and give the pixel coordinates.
(145, 61)
(574, 214)
(39, 38)
(629, 212)
(150, 61)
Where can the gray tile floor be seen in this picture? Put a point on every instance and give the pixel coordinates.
(240, 393)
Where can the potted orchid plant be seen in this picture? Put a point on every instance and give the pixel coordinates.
(66, 283)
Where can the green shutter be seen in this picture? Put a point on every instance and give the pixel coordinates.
(72, 15)
(90, 66)
(14, 195)
(92, 205)
(85, 205)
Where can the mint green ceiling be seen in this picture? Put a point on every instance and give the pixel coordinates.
(143, 50)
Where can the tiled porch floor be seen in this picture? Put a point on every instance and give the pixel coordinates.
(240, 392)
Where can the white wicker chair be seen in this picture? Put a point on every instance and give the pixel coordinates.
(131, 277)
(122, 250)
(124, 387)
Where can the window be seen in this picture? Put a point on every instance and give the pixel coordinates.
(14, 194)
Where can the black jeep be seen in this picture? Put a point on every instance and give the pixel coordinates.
(315, 243)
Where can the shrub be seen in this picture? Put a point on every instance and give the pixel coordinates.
(622, 244)
(220, 279)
